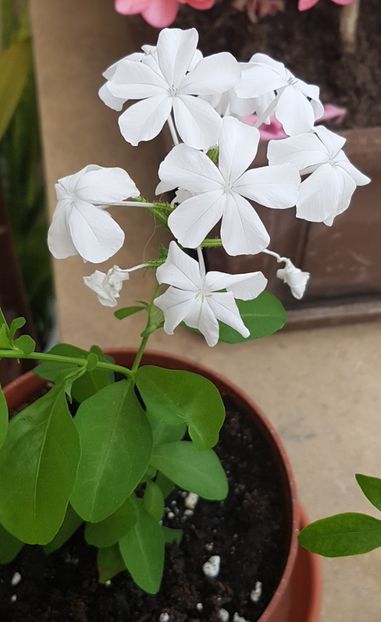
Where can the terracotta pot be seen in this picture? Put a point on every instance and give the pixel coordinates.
(298, 596)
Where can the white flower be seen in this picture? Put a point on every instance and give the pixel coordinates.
(295, 103)
(107, 286)
(195, 297)
(170, 81)
(220, 191)
(295, 278)
(327, 192)
(80, 225)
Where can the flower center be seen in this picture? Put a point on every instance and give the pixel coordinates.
(172, 91)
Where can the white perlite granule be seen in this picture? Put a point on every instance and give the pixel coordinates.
(164, 617)
(199, 606)
(223, 615)
(211, 568)
(191, 501)
(16, 579)
(256, 593)
(238, 618)
(13, 598)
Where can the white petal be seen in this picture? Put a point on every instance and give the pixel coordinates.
(197, 123)
(179, 270)
(96, 282)
(145, 120)
(238, 144)
(347, 187)
(294, 111)
(115, 103)
(359, 177)
(176, 305)
(185, 167)
(203, 318)
(225, 309)
(319, 195)
(305, 151)
(192, 220)
(59, 237)
(332, 142)
(242, 231)
(273, 186)
(175, 51)
(133, 80)
(258, 81)
(214, 74)
(106, 186)
(95, 234)
(243, 286)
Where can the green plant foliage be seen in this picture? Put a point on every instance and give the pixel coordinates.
(116, 445)
(84, 382)
(6, 340)
(263, 316)
(3, 418)
(10, 547)
(142, 550)
(111, 529)
(342, 535)
(120, 314)
(38, 465)
(25, 344)
(166, 485)
(180, 396)
(371, 487)
(191, 468)
(110, 563)
(15, 65)
(153, 501)
(163, 432)
(172, 536)
(71, 523)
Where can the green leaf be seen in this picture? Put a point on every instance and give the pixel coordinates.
(10, 547)
(342, 534)
(142, 549)
(109, 531)
(16, 324)
(15, 64)
(181, 396)
(116, 445)
(172, 536)
(71, 523)
(3, 418)
(85, 383)
(153, 501)
(120, 314)
(5, 335)
(191, 468)
(165, 484)
(38, 465)
(25, 343)
(162, 432)
(371, 487)
(110, 563)
(263, 316)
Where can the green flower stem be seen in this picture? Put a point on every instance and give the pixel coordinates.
(211, 243)
(57, 358)
(149, 329)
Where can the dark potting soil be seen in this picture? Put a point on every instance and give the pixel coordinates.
(309, 44)
(249, 531)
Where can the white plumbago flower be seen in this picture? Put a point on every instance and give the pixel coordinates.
(107, 286)
(197, 298)
(294, 277)
(222, 191)
(80, 225)
(172, 80)
(327, 192)
(294, 103)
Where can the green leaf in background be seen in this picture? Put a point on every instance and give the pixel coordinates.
(181, 396)
(263, 316)
(15, 65)
(116, 446)
(172, 536)
(371, 487)
(142, 549)
(163, 432)
(38, 465)
(25, 343)
(342, 534)
(110, 563)
(16, 324)
(6, 342)
(165, 484)
(111, 529)
(153, 501)
(3, 418)
(191, 468)
(71, 523)
(85, 383)
(120, 314)
(10, 547)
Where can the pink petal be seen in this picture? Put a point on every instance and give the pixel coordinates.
(304, 5)
(161, 13)
(342, 2)
(131, 7)
(334, 113)
(201, 5)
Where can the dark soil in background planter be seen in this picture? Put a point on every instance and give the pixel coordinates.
(309, 45)
(250, 531)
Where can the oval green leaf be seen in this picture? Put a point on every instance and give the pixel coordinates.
(108, 532)
(263, 316)
(10, 547)
(153, 501)
(371, 487)
(3, 418)
(110, 563)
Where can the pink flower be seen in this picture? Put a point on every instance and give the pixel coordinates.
(304, 5)
(158, 13)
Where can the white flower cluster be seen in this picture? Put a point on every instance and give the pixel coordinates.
(202, 99)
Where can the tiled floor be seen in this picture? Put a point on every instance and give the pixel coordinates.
(321, 388)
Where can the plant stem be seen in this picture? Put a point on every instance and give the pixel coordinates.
(57, 358)
(349, 18)
(149, 329)
(211, 243)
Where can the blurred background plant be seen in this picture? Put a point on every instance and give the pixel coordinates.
(25, 275)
